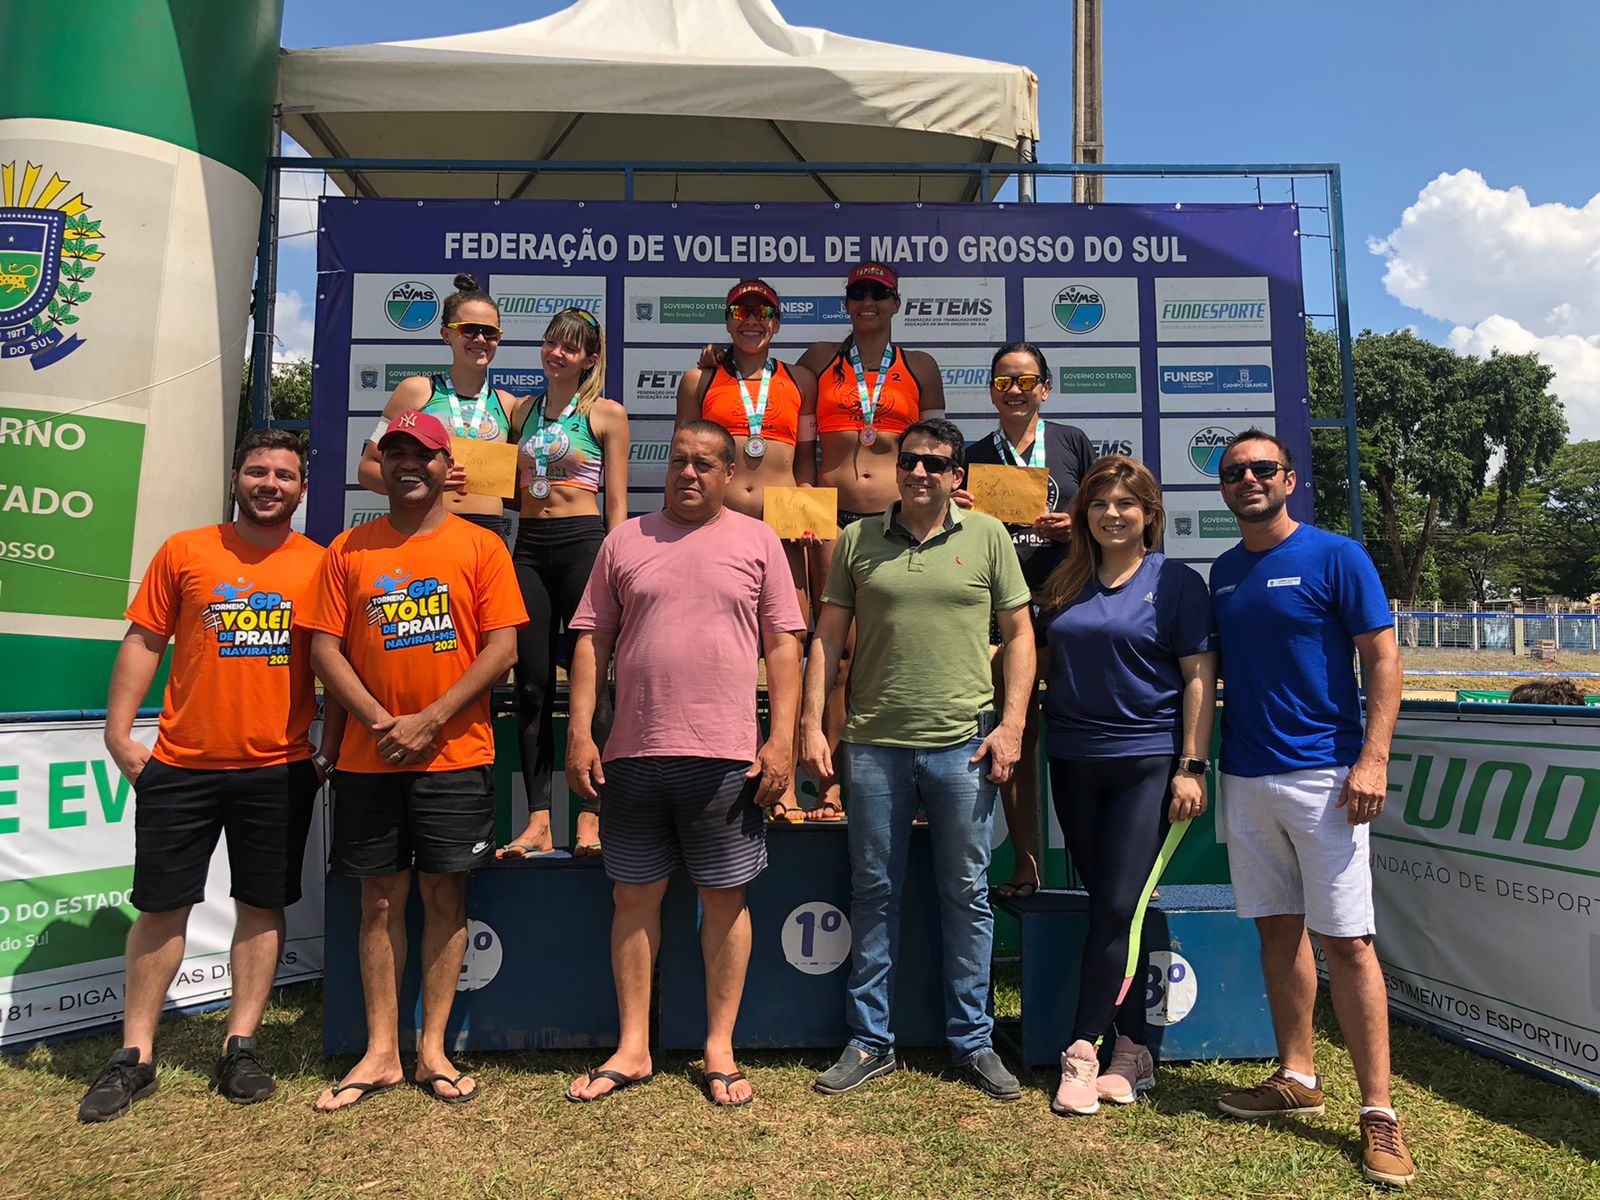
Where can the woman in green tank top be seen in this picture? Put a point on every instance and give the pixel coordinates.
(460, 397)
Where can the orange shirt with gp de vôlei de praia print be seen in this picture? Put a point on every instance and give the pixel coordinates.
(413, 612)
(239, 695)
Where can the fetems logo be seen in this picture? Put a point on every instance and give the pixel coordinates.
(411, 306)
(1078, 308)
(1206, 447)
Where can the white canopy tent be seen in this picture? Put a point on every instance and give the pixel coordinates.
(723, 81)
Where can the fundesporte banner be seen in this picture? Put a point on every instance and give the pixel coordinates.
(1486, 871)
(1168, 328)
(66, 871)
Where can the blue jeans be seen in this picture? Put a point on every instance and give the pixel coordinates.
(885, 783)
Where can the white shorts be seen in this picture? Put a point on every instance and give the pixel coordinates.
(1290, 850)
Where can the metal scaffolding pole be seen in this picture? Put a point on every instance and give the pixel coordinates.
(1088, 101)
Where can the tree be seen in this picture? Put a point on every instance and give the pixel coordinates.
(1570, 535)
(1431, 424)
(291, 396)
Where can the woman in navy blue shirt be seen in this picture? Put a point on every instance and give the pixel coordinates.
(1132, 691)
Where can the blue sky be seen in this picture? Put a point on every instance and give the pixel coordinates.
(1462, 127)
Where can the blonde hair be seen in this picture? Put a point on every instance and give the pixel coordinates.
(579, 327)
(1067, 582)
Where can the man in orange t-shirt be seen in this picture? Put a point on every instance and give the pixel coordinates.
(232, 754)
(413, 620)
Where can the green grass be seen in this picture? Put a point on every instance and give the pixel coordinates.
(1478, 1129)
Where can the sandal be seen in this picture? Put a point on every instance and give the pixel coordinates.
(1017, 891)
(367, 1090)
(780, 814)
(586, 850)
(427, 1086)
(618, 1081)
(521, 849)
(826, 811)
(727, 1081)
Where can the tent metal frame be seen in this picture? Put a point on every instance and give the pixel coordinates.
(1027, 173)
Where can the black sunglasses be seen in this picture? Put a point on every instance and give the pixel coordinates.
(1264, 468)
(933, 464)
(864, 291)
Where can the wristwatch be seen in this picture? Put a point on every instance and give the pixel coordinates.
(1194, 766)
(324, 763)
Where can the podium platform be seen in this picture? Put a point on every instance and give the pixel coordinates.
(1204, 993)
(800, 950)
(537, 974)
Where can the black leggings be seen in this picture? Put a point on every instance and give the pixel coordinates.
(1113, 812)
(553, 559)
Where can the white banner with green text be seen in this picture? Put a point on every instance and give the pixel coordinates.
(1486, 871)
(66, 873)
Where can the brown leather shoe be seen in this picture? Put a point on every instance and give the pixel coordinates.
(1384, 1157)
(1278, 1096)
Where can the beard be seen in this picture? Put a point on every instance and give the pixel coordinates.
(1274, 506)
(251, 513)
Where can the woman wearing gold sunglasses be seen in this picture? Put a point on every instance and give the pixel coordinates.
(1019, 384)
(460, 397)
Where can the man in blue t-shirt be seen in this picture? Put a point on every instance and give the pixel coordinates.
(1301, 781)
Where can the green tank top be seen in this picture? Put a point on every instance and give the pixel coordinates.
(574, 456)
(492, 425)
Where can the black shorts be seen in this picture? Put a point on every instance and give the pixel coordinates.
(662, 812)
(179, 812)
(385, 822)
(846, 518)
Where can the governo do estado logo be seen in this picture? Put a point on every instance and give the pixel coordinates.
(49, 251)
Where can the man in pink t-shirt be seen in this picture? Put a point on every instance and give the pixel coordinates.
(689, 598)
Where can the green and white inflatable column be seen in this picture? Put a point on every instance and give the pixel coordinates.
(133, 144)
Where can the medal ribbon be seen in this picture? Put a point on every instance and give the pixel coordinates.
(755, 415)
(469, 428)
(538, 446)
(869, 404)
(1010, 453)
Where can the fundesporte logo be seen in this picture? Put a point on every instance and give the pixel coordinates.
(1206, 447)
(48, 252)
(1078, 308)
(411, 306)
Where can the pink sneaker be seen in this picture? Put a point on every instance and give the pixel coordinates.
(1077, 1095)
(1131, 1071)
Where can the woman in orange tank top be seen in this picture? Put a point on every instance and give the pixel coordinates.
(770, 408)
(869, 391)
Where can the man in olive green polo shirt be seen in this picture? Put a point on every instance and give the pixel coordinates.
(921, 584)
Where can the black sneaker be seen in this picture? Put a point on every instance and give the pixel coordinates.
(240, 1076)
(124, 1080)
(990, 1075)
(854, 1068)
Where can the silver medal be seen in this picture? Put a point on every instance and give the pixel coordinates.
(539, 488)
(755, 447)
(868, 435)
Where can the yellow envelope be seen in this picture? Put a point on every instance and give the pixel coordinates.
(796, 511)
(491, 466)
(1015, 495)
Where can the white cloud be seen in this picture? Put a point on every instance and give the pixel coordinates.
(1509, 274)
(1575, 359)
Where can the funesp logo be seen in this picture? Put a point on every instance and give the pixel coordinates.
(411, 306)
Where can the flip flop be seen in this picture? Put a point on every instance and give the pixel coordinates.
(524, 850)
(617, 1079)
(727, 1081)
(426, 1085)
(826, 811)
(780, 813)
(1017, 891)
(367, 1090)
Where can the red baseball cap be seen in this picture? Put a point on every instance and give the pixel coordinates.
(754, 287)
(424, 427)
(871, 272)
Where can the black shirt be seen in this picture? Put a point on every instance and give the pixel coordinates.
(1067, 455)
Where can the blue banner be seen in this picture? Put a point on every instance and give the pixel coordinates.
(1168, 328)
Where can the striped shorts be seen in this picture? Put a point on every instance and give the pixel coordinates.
(662, 812)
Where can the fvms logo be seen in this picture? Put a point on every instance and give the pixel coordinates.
(411, 306)
(1078, 308)
(1206, 447)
